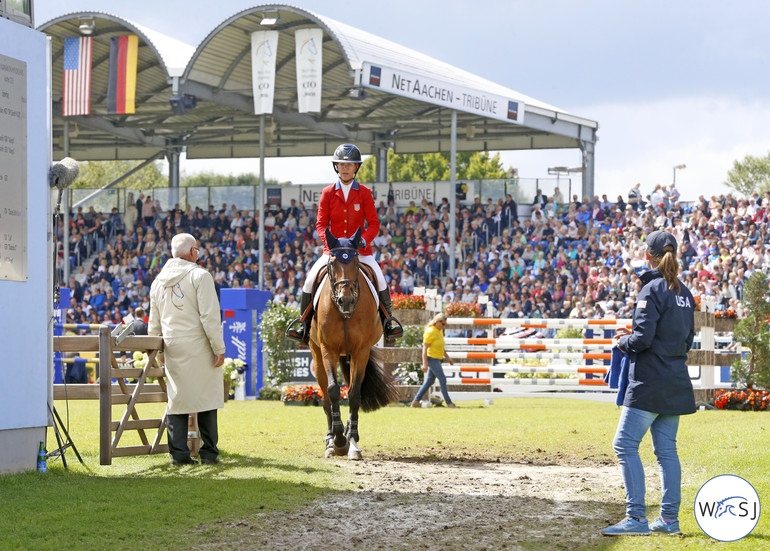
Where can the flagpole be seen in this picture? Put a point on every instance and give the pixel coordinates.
(66, 213)
(453, 195)
(261, 202)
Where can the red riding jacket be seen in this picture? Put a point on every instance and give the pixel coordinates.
(347, 216)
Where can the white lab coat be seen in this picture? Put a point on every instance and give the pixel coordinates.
(184, 310)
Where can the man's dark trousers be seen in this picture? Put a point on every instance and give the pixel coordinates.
(177, 435)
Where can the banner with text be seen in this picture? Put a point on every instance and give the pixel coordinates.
(402, 193)
(238, 328)
(309, 45)
(446, 94)
(304, 371)
(264, 45)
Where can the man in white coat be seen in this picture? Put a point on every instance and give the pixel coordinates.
(184, 310)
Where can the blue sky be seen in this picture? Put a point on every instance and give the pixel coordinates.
(670, 83)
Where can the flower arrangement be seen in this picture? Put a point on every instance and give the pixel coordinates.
(726, 314)
(696, 298)
(743, 400)
(230, 371)
(301, 393)
(401, 301)
(463, 310)
(270, 393)
(308, 393)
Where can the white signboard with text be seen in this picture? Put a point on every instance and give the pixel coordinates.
(13, 169)
(26, 295)
(446, 94)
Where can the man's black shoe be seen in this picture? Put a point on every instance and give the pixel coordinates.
(209, 460)
(180, 462)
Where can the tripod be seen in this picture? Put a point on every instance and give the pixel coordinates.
(63, 445)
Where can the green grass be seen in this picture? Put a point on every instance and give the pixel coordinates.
(273, 460)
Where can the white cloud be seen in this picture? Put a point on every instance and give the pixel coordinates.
(643, 142)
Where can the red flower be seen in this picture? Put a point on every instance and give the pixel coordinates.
(401, 301)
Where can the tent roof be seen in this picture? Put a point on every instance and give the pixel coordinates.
(223, 124)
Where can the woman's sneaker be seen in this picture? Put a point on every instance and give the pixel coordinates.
(665, 527)
(628, 527)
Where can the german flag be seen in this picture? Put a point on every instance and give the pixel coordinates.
(121, 88)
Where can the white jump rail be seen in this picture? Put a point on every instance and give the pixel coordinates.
(539, 323)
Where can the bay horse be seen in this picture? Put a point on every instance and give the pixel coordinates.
(344, 330)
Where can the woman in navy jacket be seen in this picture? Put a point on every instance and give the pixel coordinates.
(659, 388)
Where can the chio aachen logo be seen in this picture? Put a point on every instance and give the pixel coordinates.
(727, 507)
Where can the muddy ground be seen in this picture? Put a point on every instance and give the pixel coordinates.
(447, 504)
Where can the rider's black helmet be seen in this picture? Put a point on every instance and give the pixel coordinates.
(346, 153)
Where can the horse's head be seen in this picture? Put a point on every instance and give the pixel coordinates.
(343, 271)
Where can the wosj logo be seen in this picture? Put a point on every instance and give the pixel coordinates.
(727, 507)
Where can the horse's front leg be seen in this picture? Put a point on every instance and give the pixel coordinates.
(337, 429)
(320, 375)
(357, 372)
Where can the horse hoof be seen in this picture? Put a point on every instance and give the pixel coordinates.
(355, 455)
(329, 452)
(341, 451)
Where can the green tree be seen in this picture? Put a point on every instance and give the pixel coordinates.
(749, 175)
(280, 351)
(211, 179)
(752, 332)
(421, 167)
(96, 174)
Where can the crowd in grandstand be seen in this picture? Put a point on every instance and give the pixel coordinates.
(563, 259)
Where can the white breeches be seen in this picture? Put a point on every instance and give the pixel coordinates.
(364, 259)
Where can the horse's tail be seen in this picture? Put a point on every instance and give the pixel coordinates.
(378, 387)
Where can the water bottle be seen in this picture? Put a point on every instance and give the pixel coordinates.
(41, 464)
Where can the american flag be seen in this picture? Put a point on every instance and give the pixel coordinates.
(77, 76)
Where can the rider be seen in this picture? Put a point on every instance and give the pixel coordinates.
(344, 207)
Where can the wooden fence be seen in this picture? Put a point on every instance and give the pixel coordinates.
(131, 388)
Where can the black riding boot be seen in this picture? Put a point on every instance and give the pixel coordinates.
(391, 328)
(301, 333)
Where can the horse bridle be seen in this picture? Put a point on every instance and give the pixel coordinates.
(335, 285)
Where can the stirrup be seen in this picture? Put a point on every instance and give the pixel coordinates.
(296, 335)
(393, 330)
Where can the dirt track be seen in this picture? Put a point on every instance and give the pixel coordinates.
(447, 504)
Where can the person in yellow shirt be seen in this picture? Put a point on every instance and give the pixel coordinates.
(432, 354)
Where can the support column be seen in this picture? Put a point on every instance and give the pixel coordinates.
(589, 164)
(173, 176)
(382, 164)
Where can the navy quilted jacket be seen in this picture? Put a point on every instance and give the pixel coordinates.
(662, 333)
